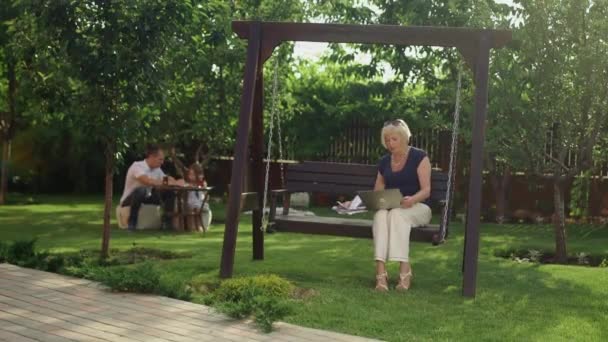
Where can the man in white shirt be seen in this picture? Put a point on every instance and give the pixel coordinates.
(141, 177)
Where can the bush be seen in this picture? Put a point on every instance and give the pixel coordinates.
(202, 287)
(142, 278)
(3, 251)
(21, 252)
(232, 290)
(174, 288)
(82, 267)
(269, 310)
(264, 297)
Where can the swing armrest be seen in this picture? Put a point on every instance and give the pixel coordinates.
(274, 194)
(249, 201)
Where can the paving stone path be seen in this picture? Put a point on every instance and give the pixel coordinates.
(42, 306)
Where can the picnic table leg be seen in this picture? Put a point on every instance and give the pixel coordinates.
(205, 201)
(177, 213)
(184, 211)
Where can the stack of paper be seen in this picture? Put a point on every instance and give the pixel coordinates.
(356, 206)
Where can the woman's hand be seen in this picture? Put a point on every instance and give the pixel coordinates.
(407, 202)
(344, 205)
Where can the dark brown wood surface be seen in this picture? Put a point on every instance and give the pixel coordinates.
(240, 153)
(277, 32)
(471, 250)
(257, 163)
(350, 227)
(473, 44)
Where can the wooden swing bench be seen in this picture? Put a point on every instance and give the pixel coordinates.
(346, 179)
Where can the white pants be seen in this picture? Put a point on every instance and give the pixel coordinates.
(392, 231)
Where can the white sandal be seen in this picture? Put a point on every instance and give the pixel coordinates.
(403, 277)
(379, 286)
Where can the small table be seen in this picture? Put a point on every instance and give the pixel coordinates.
(181, 207)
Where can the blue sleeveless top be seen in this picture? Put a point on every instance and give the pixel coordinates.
(406, 180)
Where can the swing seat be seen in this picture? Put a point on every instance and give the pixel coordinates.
(346, 179)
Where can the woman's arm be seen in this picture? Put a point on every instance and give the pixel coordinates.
(379, 182)
(424, 177)
(379, 185)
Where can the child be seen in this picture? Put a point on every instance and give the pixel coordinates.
(200, 217)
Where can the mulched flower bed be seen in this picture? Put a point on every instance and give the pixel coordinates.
(542, 257)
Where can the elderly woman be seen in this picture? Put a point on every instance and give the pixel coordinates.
(408, 169)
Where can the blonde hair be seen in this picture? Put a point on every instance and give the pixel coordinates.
(398, 127)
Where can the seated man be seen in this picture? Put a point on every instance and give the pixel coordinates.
(141, 177)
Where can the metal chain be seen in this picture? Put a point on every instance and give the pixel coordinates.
(453, 153)
(280, 139)
(273, 114)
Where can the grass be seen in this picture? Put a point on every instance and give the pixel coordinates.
(514, 301)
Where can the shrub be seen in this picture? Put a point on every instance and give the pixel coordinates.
(23, 253)
(174, 288)
(262, 296)
(143, 278)
(202, 287)
(269, 310)
(20, 252)
(3, 251)
(262, 285)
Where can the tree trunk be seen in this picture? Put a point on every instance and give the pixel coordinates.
(8, 129)
(105, 244)
(222, 91)
(559, 222)
(6, 157)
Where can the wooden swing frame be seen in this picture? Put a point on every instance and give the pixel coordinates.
(264, 37)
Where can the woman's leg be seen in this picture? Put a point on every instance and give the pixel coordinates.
(380, 230)
(381, 237)
(401, 223)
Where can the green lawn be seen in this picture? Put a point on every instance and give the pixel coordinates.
(514, 301)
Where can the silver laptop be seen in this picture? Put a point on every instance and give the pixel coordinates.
(381, 199)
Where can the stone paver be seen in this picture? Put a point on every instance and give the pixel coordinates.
(42, 306)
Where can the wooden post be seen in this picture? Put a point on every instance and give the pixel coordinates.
(240, 152)
(257, 162)
(471, 250)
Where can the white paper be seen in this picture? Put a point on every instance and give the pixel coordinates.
(354, 207)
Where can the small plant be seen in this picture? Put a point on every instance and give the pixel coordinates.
(265, 285)
(174, 288)
(604, 263)
(142, 278)
(20, 252)
(262, 296)
(203, 284)
(3, 251)
(269, 310)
